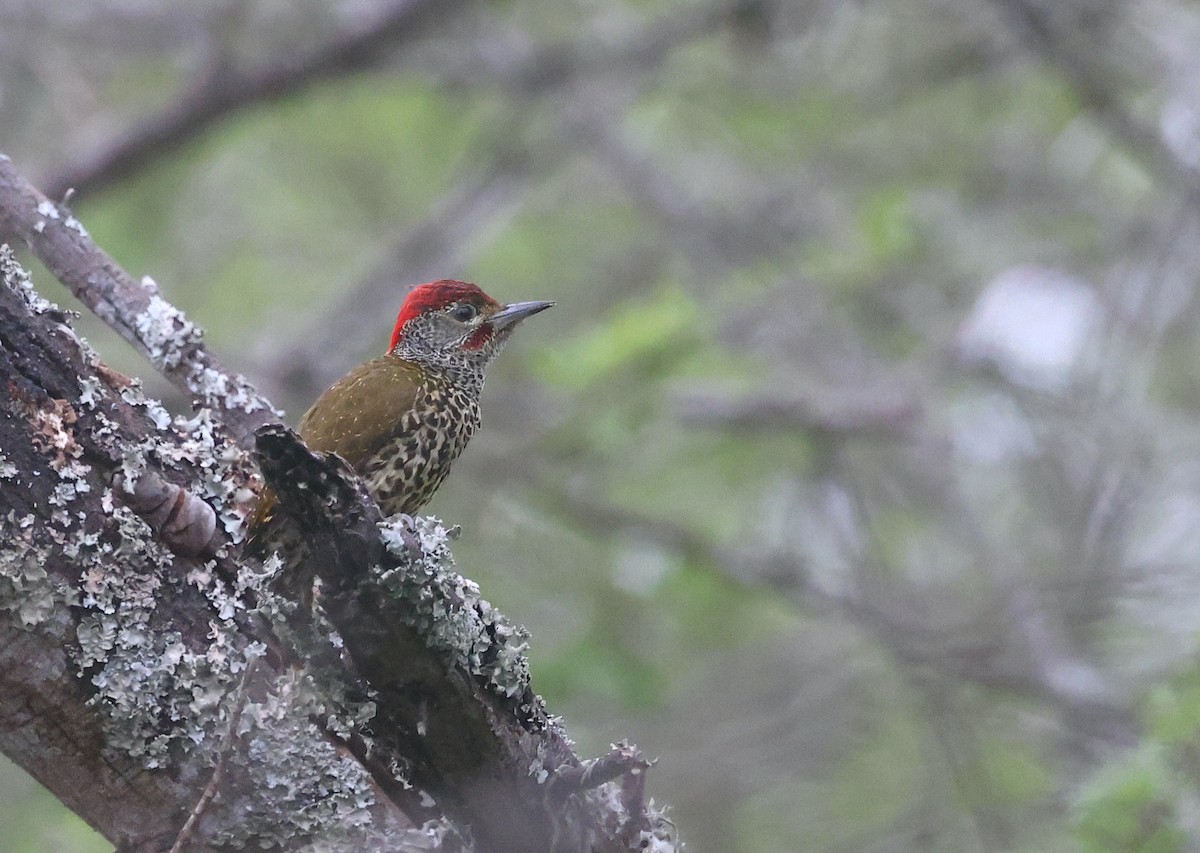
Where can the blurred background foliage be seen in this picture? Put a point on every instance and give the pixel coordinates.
(856, 473)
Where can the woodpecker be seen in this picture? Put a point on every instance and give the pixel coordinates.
(402, 419)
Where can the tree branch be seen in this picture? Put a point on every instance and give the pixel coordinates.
(222, 94)
(479, 740)
(1018, 652)
(845, 417)
(152, 644)
(137, 312)
(1085, 70)
(119, 660)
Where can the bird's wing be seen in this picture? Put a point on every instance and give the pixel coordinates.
(357, 415)
(345, 420)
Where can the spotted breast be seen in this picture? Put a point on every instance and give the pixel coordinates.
(404, 473)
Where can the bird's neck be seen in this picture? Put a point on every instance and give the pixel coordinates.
(460, 371)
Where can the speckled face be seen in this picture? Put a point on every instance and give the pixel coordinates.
(456, 329)
(455, 341)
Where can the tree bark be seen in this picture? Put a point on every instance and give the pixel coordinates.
(175, 700)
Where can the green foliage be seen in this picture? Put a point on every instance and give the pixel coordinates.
(767, 128)
(1137, 802)
(635, 339)
(33, 821)
(888, 224)
(595, 668)
(896, 535)
(1174, 711)
(887, 234)
(1016, 774)
(575, 245)
(711, 612)
(1130, 808)
(875, 782)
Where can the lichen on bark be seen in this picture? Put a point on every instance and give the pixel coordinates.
(153, 646)
(402, 675)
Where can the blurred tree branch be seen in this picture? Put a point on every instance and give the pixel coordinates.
(225, 91)
(576, 80)
(1059, 33)
(842, 418)
(1014, 646)
(428, 250)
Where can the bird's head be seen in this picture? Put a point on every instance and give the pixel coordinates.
(452, 324)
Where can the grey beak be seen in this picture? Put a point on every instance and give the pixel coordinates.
(512, 314)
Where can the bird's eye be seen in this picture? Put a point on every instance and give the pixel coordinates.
(464, 313)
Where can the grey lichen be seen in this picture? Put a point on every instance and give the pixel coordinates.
(47, 210)
(132, 394)
(173, 341)
(165, 331)
(296, 772)
(17, 278)
(541, 767)
(91, 389)
(167, 699)
(447, 610)
(661, 838)
(165, 678)
(26, 588)
(76, 226)
(298, 782)
(225, 470)
(225, 391)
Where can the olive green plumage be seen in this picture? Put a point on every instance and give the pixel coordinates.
(402, 459)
